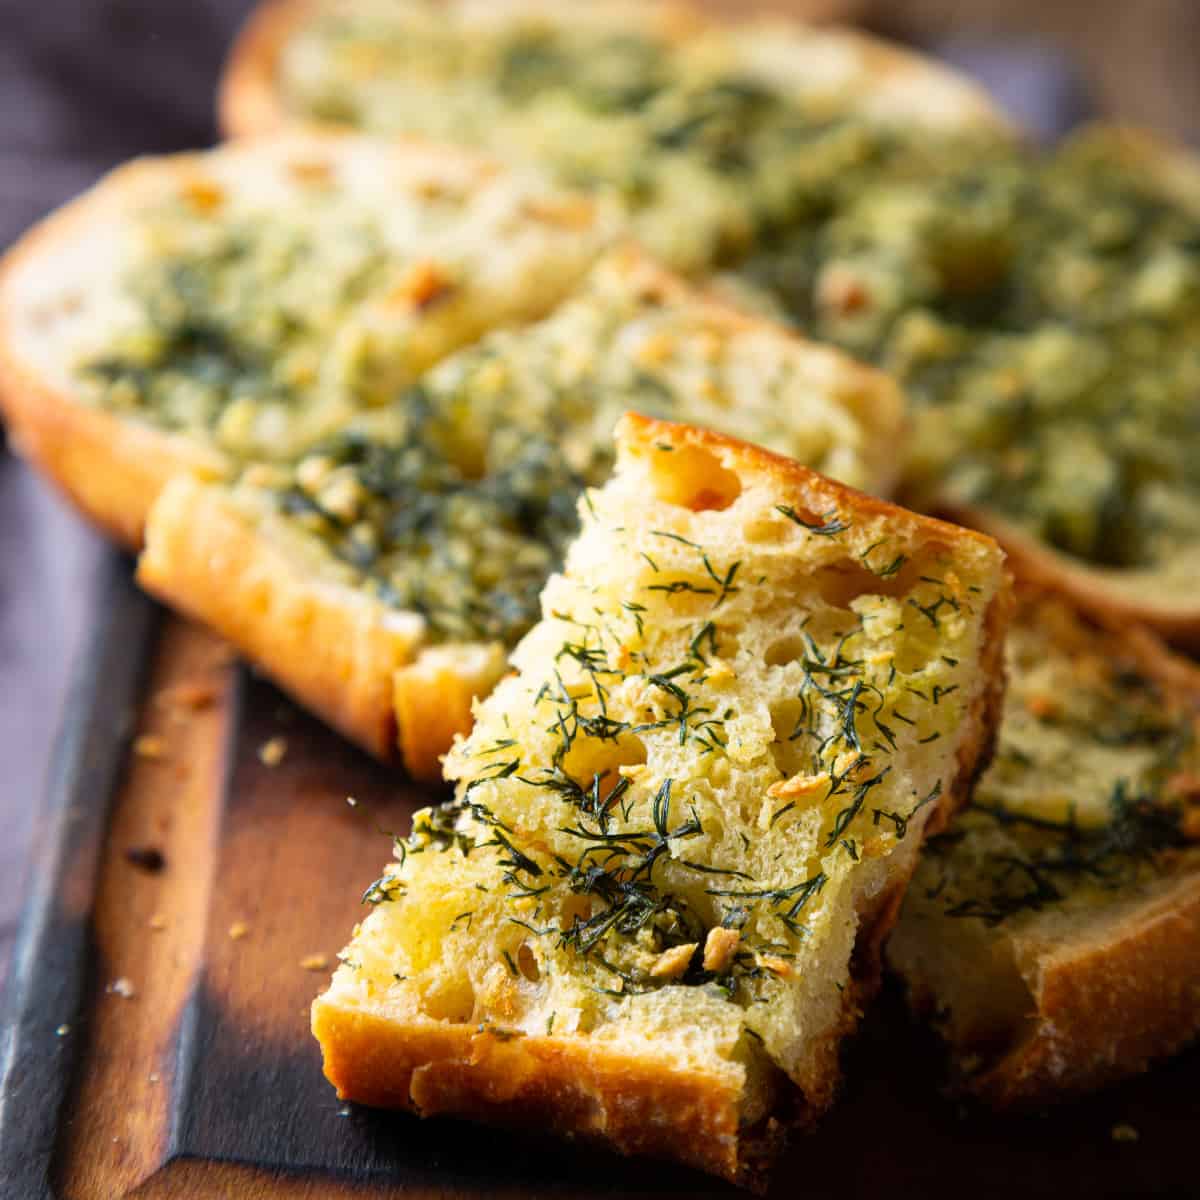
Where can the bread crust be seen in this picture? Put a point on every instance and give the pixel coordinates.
(1103, 593)
(333, 647)
(249, 100)
(1108, 1006)
(570, 1086)
(110, 469)
(361, 666)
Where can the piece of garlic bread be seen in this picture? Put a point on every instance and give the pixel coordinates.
(715, 137)
(1053, 935)
(683, 826)
(195, 311)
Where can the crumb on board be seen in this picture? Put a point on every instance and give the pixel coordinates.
(238, 930)
(153, 1077)
(157, 921)
(146, 858)
(271, 752)
(62, 1031)
(1124, 1133)
(350, 800)
(123, 987)
(191, 695)
(150, 745)
(315, 962)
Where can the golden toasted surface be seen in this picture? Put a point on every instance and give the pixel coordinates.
(750, 692)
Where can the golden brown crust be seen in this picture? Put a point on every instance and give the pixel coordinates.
(634, 1103)
(643, 433)
(332, 647)
(1108, 1005)
(1102, 592)
(433, 698)
(247, 99)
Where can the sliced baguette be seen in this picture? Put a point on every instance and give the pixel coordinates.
(685, 824)
(444, 71)
(454, 246)
(229, 555)
(1054, 960)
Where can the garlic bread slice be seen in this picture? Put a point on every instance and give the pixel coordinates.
(684, 824)
(200, 310)
(1053, 935)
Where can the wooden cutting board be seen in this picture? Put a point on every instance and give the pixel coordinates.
(187, 899)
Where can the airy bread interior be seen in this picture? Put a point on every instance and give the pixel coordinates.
(681, 826)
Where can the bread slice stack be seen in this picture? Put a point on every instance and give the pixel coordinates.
(683, 827)
(193, 312)
(383, 576)
(1053, 935)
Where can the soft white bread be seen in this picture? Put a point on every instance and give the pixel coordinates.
(605, 92)
(288, 586)
(683, 826)
(201, 309)
(1053, 935)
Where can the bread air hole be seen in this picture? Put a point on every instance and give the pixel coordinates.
(785, 650)
(592, 758)
(451, 998)
(787, 753)
(693, 478)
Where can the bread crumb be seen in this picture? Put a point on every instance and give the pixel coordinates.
(157, 921)
(62, 1031)
(123, 987)
(670, 964)
(192, 695)
(315, 962)
(271, 752)
(150, 745)
(153, 1077)
(350, 800)
(719, 948)
(1124, 1133)
(238, 930)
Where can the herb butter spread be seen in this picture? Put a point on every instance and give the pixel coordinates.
(456, 502)
(1042, 310)
(748, 692)
(1093, 793)
(263, 294)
